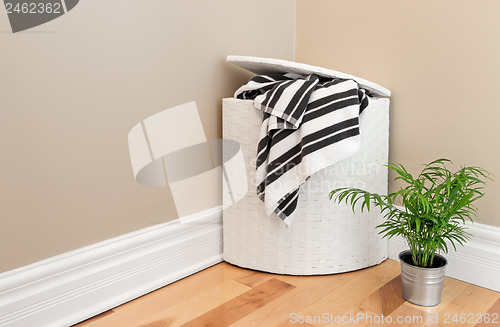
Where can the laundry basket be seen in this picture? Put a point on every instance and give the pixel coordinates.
(324, 237)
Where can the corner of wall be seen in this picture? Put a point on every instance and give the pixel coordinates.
(294, 31)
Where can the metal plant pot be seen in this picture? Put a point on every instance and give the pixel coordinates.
(422, 286)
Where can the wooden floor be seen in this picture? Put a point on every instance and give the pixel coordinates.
(224, 295)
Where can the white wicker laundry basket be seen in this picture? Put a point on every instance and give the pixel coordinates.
(324, 237)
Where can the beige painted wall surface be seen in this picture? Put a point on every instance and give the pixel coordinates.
(440, 60)
(71, 89)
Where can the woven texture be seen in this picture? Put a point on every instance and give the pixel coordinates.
(324, 237)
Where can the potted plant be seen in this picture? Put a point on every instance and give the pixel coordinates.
(435, 206)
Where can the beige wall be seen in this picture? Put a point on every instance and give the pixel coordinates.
(440, 60)
(71, 89)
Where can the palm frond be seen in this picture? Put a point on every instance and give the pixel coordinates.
(436, 204)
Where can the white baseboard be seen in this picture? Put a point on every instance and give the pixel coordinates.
(77, 285)
(477, 262)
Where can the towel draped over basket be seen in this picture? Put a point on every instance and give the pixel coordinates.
(324, 237)
(309, 123)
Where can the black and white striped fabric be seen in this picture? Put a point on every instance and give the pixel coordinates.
(308, 124)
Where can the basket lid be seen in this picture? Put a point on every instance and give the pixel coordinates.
(260, 65)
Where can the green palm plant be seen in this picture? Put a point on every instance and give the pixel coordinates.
(436, 205)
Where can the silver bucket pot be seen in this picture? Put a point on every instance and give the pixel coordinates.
(422, 286)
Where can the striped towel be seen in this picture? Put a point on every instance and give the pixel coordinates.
(308, 124)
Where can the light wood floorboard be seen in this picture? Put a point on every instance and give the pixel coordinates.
(225, 295)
